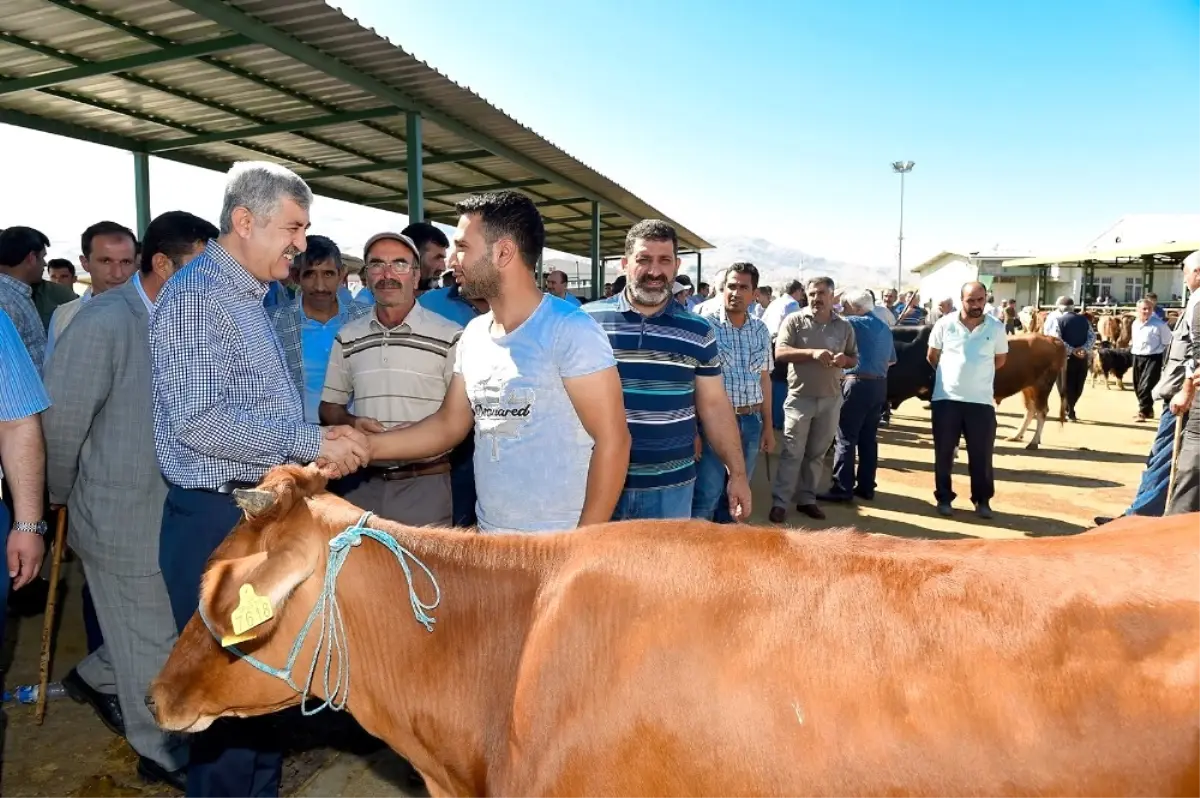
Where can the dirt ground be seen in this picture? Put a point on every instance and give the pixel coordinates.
(1083, 470)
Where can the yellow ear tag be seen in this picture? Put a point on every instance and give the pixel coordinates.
(252, 610)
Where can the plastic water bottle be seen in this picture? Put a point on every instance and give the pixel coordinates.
(28, 693)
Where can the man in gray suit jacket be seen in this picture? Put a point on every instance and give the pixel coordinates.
(100, 462)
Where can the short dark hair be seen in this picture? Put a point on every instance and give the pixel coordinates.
(104, 229)
(651, 230)
(423, 233)
(174, 233)
(17, 243)
(508, 214)
(703, 286)
(741, 267)
(61, 263)
(792, 287)
(822, 280)
(318, 249)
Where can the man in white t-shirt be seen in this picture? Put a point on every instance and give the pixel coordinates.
(965, 350)
(537, 380)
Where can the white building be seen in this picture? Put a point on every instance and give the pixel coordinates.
(1117, 267)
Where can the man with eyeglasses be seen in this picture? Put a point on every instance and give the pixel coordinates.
(395, 365)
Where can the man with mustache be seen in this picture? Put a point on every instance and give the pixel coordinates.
(817, 345)
(966, 349)
(670, 370)
(395, 364)
(307, 325)
(225, 412)
(535, 378)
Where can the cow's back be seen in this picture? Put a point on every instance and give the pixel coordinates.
(684, 657)
(1033, 360)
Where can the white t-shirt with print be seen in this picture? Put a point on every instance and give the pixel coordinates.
(532, 454)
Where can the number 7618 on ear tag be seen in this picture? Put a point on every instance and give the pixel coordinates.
(252, 610)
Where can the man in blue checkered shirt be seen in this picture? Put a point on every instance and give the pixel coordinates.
(225, 411)
(23, 458)
(744, 343)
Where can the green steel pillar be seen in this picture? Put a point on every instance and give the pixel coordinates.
(1147, 274)
(699, 268)
(141, 190)
(597, 266)
(541, 272)
(1039, 297)
(416, 182)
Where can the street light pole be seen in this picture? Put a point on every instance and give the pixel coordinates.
(903, 168)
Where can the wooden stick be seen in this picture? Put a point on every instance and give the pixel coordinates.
(60, 542)
(1174, 456)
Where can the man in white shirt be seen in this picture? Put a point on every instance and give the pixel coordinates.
(1149, 340)
(966, 350)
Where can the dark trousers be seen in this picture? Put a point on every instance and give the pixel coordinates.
(1070, 382)
(234, 756)
(858, 428)
(1186, 495)
(1146, 371)
(977, 423)
(462, 482)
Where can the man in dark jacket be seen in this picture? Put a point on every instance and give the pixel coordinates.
(1185, 498)
(1067, 324)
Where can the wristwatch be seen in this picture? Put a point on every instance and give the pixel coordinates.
(25, 526)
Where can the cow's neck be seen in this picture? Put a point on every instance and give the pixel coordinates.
(443, 699)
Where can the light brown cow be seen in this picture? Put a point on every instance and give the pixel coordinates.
(1032, 367)
(1108, 328)
(687, 658)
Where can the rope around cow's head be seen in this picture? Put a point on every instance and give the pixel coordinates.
(332, 635)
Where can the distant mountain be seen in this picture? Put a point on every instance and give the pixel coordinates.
(776, 264)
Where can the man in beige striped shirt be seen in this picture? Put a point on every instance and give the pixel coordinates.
(394, 365)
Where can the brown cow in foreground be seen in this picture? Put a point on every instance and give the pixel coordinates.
(1032, 367)
(687, 658)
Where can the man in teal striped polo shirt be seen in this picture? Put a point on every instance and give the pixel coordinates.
(671, 377)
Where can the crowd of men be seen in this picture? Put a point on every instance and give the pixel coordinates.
(202, 355)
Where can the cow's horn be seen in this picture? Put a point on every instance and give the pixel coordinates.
(253, 501)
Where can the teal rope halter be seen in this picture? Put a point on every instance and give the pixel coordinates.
(332, 631)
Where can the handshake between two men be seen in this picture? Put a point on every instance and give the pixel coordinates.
(346, 448)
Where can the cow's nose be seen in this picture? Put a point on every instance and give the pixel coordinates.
(151, 706)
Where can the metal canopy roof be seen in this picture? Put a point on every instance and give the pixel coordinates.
(1170, 253)
(206, 83)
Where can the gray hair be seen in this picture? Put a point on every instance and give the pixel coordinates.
(260, 187)
(825, 281)
(1192, 261)
(859, 299)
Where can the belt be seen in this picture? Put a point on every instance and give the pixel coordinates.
(408, 471)
(229, 487)
(865, 377)
(746, 410)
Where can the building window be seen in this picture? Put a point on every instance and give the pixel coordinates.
(1104, 287)
(1133, 289)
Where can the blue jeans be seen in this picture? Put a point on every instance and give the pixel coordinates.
(657, 503)
(709, 501)
(1151, 497)
(858, 427)
(779, 391)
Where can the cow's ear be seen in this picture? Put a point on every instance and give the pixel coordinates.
(243, 597)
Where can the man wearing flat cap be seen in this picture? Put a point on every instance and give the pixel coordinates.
(389, 369)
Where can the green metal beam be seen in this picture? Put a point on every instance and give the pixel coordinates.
(445, 192)
(583, 217)
(43, 124)
(401, 166)
(597, 269)
(550, 203)
(416, 186)
(236, 19)
(141, 190)
(308, 123)
(97, 68)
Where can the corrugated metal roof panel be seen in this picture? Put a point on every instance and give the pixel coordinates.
(255, 84)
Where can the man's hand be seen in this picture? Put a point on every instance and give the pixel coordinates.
(1079, 353)
(824, 357)
(841, 360)
(344, 450)
(767, 444)
(739, 497)
(25, 553)
(367, 425)
(1182, 400)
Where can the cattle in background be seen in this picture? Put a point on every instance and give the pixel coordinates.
(1126, 338)
(1038, 321)
(1108, 361)
(1031, 368)
(1108, 328)
(687, 658)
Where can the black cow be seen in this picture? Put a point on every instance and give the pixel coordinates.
(1109, 361)
(911, 375)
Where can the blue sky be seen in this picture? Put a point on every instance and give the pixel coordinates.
(1032, 125)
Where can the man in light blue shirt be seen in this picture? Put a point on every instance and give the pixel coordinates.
(965, 350)
(307, 325)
